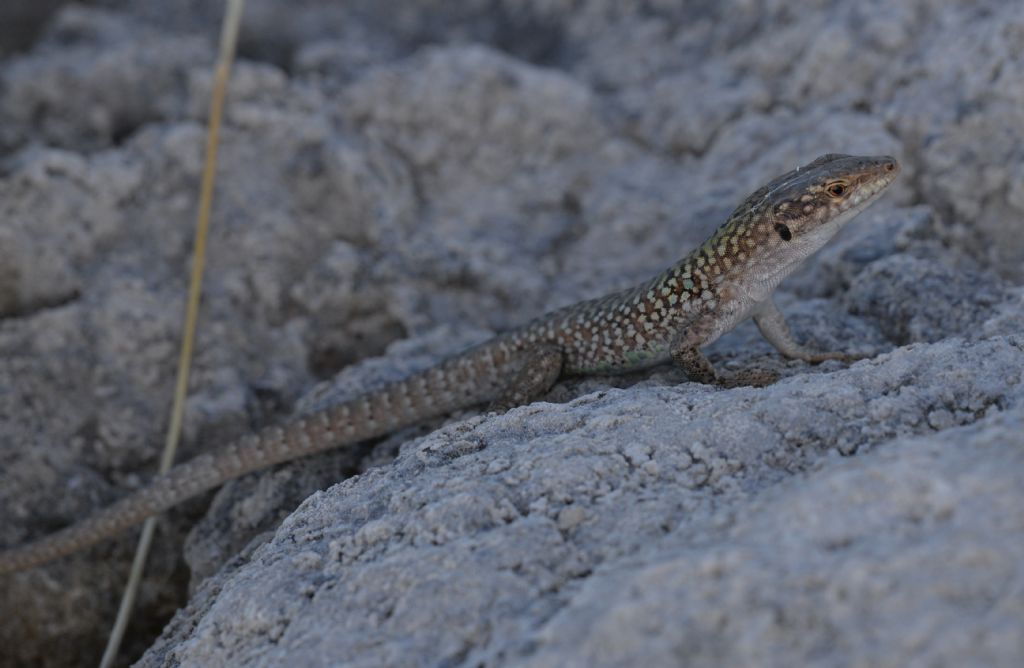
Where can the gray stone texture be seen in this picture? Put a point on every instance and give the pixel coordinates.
(400, 179)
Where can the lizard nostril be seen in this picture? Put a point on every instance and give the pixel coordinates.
(890, 166)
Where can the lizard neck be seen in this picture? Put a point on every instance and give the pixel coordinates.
(712, 288)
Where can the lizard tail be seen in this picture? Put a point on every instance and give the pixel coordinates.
(472, 378)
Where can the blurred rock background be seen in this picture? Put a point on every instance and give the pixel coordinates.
(398, 179)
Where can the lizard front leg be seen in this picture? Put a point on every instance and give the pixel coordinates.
(687, 356)
(773, 327)
(540, 368)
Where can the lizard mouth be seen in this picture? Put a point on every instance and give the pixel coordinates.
(874, 181)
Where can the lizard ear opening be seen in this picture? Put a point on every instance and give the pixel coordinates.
(783, 231)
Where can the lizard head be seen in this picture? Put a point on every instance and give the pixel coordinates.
(808, 205)
(788, 219)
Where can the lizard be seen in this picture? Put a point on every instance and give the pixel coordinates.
(727, 279)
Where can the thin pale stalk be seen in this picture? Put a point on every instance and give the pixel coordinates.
(228, 42)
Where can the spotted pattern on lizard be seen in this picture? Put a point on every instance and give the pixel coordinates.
(727, 279)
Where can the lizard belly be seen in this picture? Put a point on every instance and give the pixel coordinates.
(635, 359)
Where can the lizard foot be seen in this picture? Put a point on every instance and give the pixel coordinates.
(753, 377)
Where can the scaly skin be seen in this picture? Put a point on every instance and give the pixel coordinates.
(729, 278)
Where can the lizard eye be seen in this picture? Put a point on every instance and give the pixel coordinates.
(836, 189)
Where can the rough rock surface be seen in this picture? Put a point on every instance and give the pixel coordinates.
(659, 525)
(398, 179)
